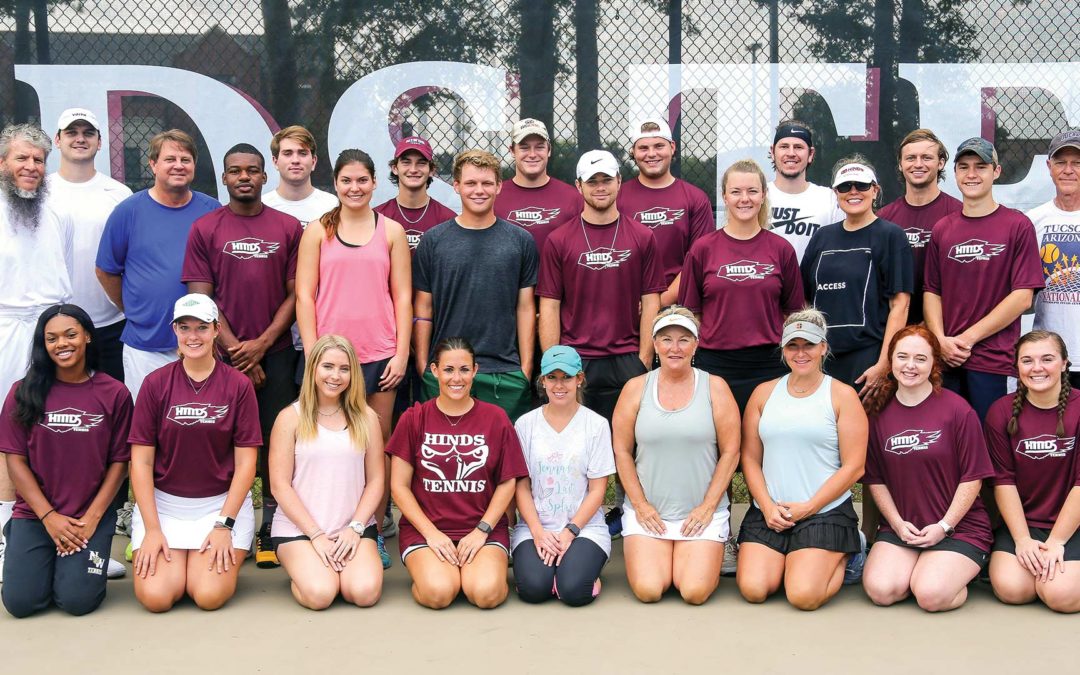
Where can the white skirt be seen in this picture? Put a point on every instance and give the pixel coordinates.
(718, 530)
(186, 521)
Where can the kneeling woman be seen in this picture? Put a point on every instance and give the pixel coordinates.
(561, 542)
(455, 461)
(194, 440)
(924, 467)
(326, 470)
(1032, 437)
(59, 537)
(686, 426)
(804, 446)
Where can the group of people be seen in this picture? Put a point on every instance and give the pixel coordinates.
(490, 371)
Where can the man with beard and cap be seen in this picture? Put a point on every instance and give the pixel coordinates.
(243, 255)
(35, 263)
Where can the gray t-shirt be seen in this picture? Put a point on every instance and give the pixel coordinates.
(474, 277)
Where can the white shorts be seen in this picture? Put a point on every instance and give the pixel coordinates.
(718, 530)
(16, 335)
(186, 521)
(138, 364)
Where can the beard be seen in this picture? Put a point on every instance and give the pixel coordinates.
(24, 207)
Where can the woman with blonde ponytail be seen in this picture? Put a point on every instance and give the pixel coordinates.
(326, 468)
(1032, 436)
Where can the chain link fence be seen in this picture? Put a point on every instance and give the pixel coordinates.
(570, 63)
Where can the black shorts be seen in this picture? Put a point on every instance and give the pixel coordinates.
(1003, 541)
(372, 374)
(742, 369)
(370, 532)
(976, 554)
(833, 530)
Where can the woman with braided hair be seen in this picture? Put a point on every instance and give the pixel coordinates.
(1032, 436)
(925, 464)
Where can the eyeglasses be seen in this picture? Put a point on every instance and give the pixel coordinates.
(844, 188)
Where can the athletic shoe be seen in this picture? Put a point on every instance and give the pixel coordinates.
(614, 522)
(123, 519)
(265, 557)
(383, 555)
(731, 558)
(389, 527)
(853, 571)
(127, 552)
(116, 569)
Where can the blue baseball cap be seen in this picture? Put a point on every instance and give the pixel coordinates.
(560, 357)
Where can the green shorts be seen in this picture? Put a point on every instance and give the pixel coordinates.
(510, 391)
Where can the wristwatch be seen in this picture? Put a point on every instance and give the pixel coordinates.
(356, 526)
(574, 529)
(224, 521)
(947, 527)
(483, 527)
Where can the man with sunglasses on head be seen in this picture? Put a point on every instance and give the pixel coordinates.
(799, 207)
(982, 271)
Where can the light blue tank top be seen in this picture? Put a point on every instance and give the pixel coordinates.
(801, 447)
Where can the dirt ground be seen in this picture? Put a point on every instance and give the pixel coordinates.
(262, 630)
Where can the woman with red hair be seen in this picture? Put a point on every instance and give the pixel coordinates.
(925, 464)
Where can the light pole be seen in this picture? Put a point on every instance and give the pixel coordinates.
(753, 48)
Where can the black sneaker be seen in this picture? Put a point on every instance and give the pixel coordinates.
(265, 557)
(614, 522)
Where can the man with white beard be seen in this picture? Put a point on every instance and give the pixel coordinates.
(35, 263)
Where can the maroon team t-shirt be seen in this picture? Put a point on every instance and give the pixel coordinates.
(599, 273)
(678, 215)
(918, 222)
(539, 210)
(973, 264)
(922, 453)
(743, 289)
(416, 222)
(248, 259)
(83, 431)
(456, 468)
(1043, 467)
(195, 434)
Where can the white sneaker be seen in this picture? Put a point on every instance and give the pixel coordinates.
(116, 569)
(731, 558)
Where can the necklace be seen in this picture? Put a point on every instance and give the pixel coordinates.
(586, 234)
(803, 391)
(406, 218)
(331, 413)
(458, 417)
(191, 382)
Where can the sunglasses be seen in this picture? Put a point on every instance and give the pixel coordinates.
(844, 188)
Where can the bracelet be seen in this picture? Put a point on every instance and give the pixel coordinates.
(315, 535)
(421, 318)
(46, 514)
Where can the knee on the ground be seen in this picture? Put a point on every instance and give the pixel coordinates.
(937, 597)
(1066, 601)
(533, 588)
(575, 590)
(884, 591)
(649, 590)
(753, 589)
(21, 605)
(362, 592)
(488, 594)
(805, 599)
(697, 593)
(79, 604)
(315, 594)
(435, 594)
(1014, 590)
(210, 598)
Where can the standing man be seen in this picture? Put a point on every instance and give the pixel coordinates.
(243, 255)
(1057, 228)
(35, 264)
(676, 211)
(533, 199)
(142, 252)
(600, 284)
(86, 198)
(473, 277)
(293, 152)
(982, 269)
(412, 170)
(799, 207)
(922, 158)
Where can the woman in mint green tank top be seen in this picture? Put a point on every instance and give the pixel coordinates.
(803, 447)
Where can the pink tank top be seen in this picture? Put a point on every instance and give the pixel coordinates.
(328, 475)
(353, 298)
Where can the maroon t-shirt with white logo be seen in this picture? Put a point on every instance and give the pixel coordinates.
(918, 222)
(922, 453)
(195, 434)
(249, 260)
(83, 431)
(973, 264)
(743, 289)
(678, 215)
(599, 273)
(539, 210)
(416, 222)
(456, 467)
(1043, 467)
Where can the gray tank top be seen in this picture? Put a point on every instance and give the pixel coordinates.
(676, 449)
(801, 447)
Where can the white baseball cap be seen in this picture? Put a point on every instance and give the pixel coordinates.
(195, 305)
(72, 115)
(650, 127)
(854, 173)
(529, 127)
(597, 161)
(675, 320)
